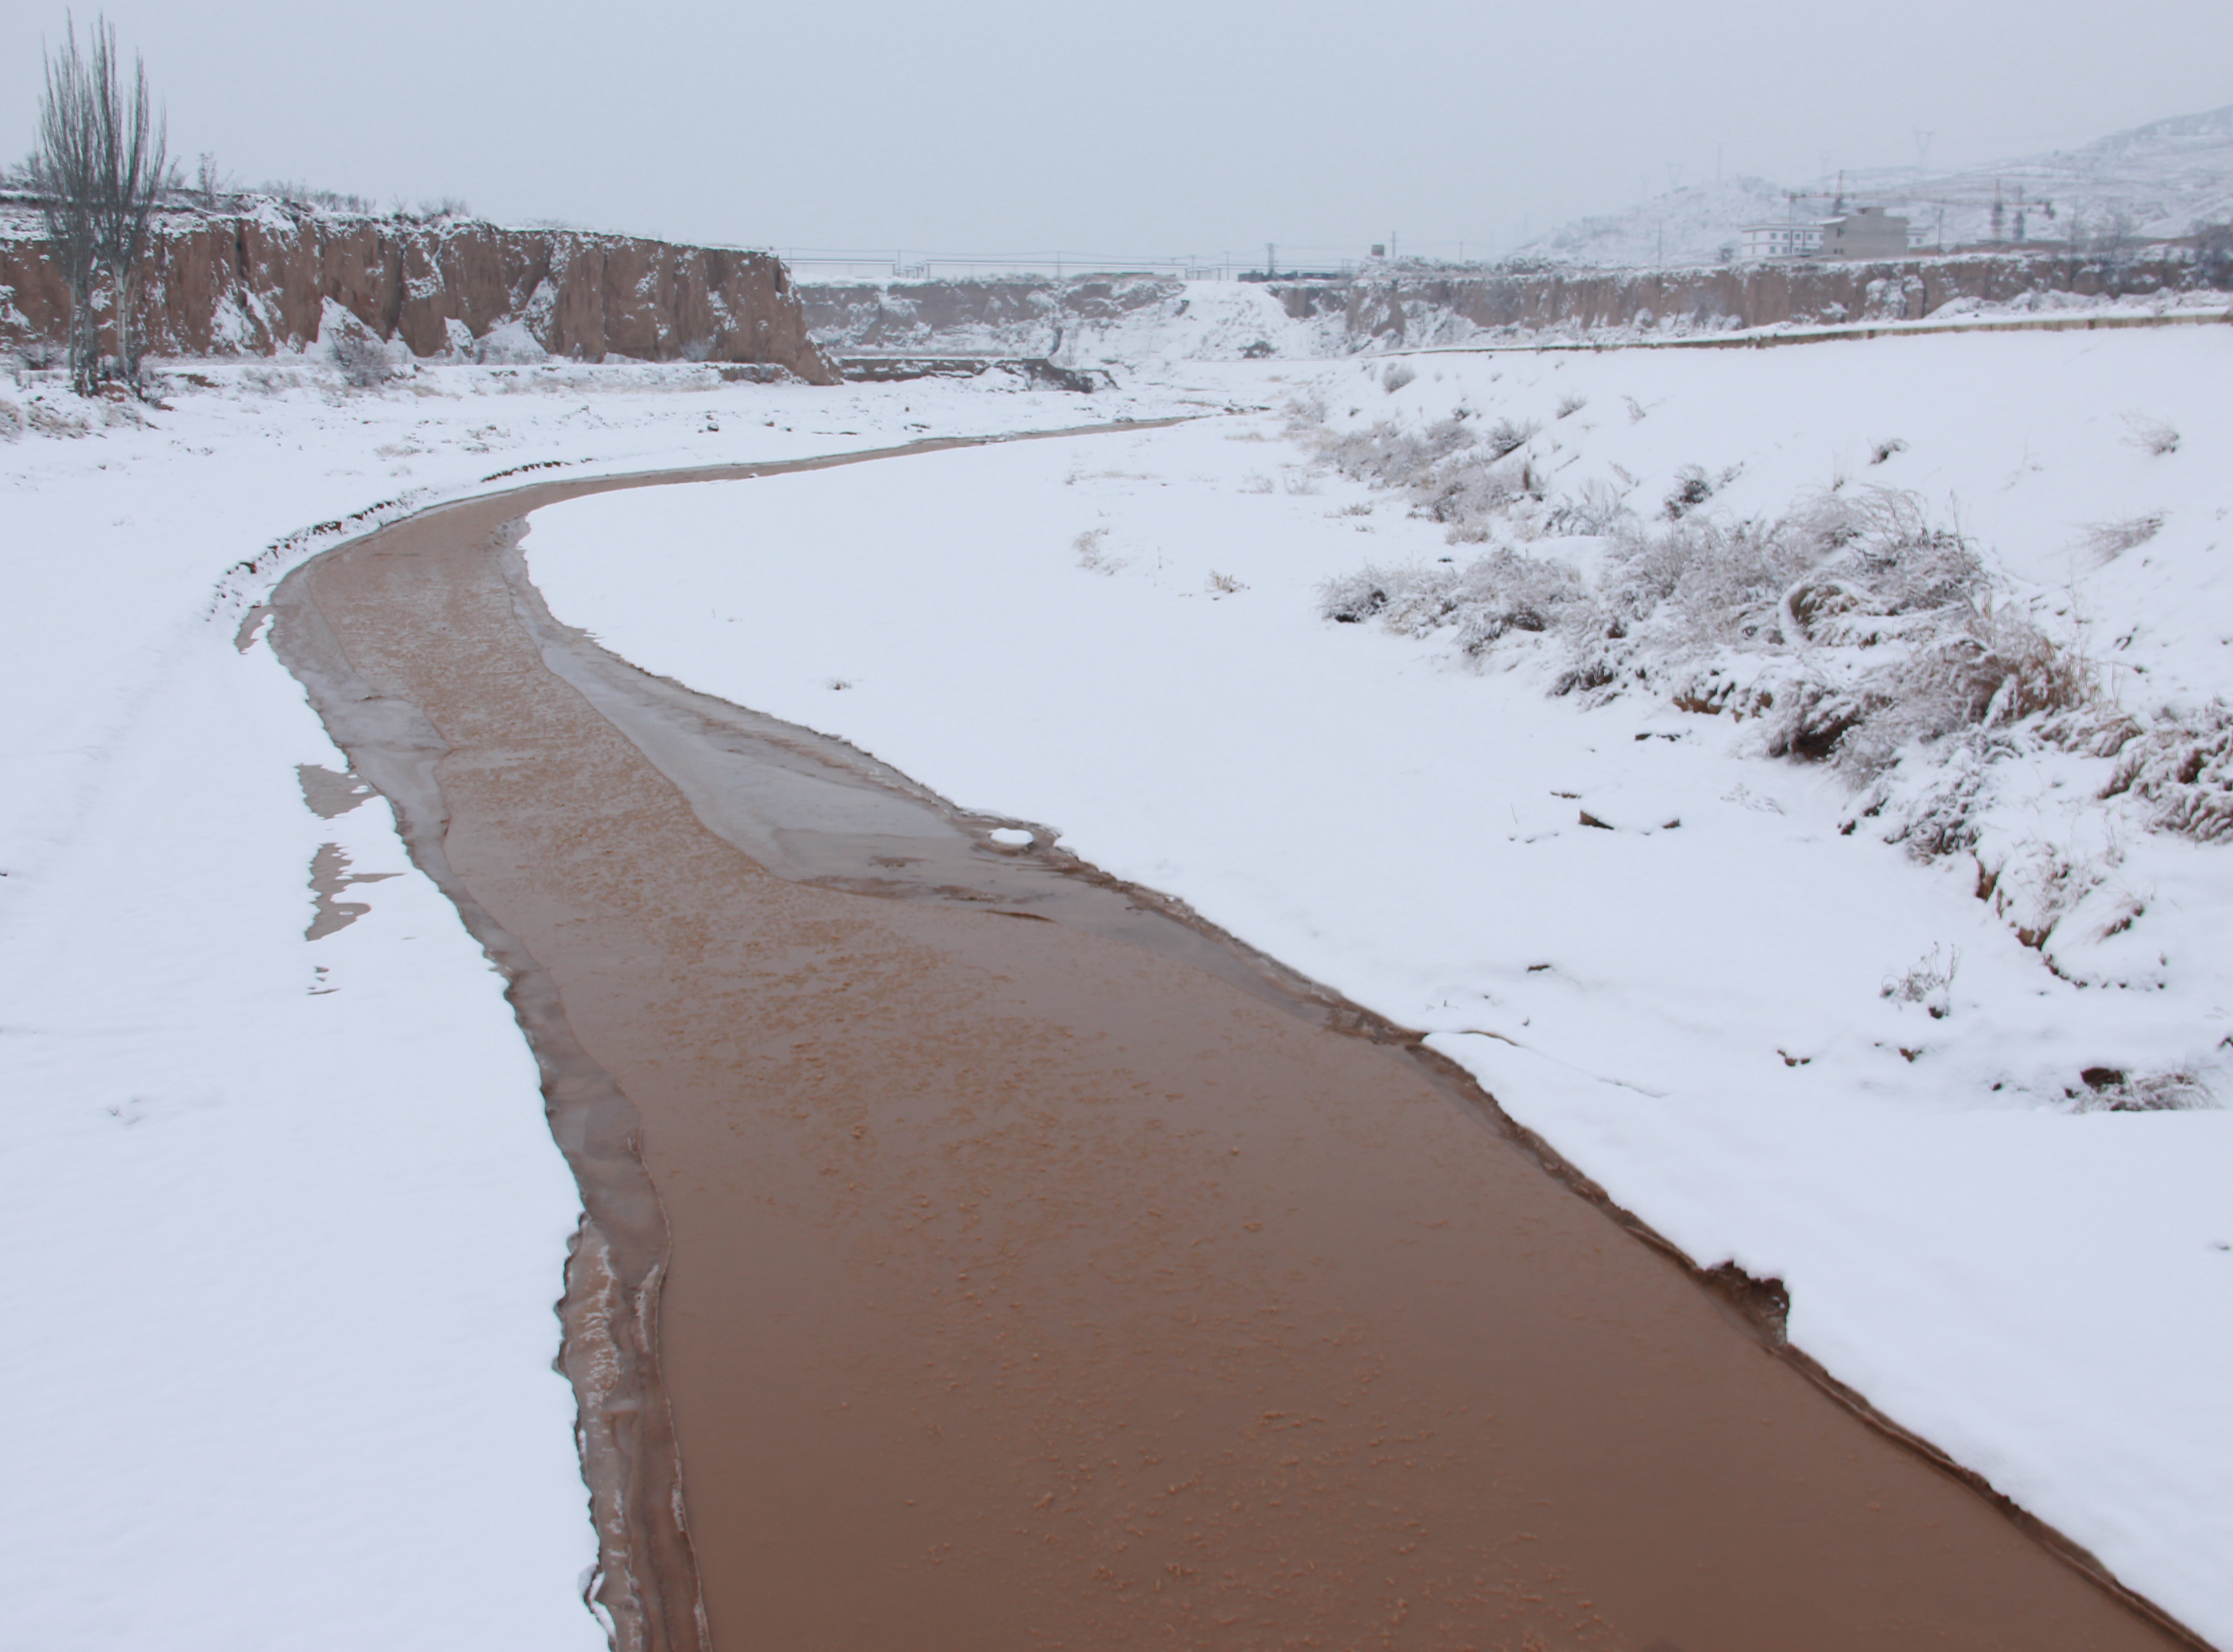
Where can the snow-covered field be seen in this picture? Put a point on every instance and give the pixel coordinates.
(284, 1220)
(287, 1225)
(1704, 973)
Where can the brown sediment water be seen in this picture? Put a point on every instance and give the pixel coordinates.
(1014, 1261)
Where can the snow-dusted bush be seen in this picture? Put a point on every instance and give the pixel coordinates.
(2152, 436)
(1693, 487)
(363, 360)
(1928, 982)
(2183, 767)
(1509, 436)
(2107, 541)
(2108, 1090)
(508, 344)
(1591, 511)
(1501, 593)
(1387, 456)
(1853, 628)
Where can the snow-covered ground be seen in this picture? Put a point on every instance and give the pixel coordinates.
(284, 1220)
(1752, 1009)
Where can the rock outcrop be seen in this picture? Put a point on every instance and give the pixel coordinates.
(258, 283)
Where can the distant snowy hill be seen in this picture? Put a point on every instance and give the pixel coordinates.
(2151, 182)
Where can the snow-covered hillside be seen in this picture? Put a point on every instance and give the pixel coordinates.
(1745, 991)
(2151, 182)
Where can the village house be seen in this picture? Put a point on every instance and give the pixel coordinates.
(1781, 240)
(1864, 232)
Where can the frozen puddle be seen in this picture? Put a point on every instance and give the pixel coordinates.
(1088, 1282)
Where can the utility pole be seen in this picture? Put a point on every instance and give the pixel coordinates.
(1271, 260)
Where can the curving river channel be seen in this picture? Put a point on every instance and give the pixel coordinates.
(983, 1255)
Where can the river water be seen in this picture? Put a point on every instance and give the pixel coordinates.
(1009, 1261)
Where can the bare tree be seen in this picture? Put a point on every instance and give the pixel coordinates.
(64, 170)
(102, 161)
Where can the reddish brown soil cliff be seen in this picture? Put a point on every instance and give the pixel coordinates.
(257, 282)
(1427, 306)
(1393, 309)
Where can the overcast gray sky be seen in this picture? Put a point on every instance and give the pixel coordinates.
(1151, 128)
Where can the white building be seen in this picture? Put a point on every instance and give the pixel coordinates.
(1864, 232)
(1782, 240)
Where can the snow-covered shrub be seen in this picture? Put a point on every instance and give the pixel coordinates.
(2107, 541)
(2109, 1090)
(1397, 376)
(509, 344)
(360, 356)
(1509, 436)
(2183, 767)
(1090, 555)
(363, 361)
(1352, 599)
(1929, 983)
(1499, 594)
(1994, 667)
(1693, 487)
(1389, 456)
(1592, 512)
(2152, 436)
(1853, 629)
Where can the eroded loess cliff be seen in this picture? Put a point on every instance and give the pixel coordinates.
(1415, 308)
(258, 283)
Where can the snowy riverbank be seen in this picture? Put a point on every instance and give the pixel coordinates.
(298, 1197)
(285, 1220)
(1122, 640)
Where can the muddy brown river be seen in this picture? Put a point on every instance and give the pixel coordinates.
(983, 1255)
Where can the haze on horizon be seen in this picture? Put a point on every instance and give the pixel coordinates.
(986, 127)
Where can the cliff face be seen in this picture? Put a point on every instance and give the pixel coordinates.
(256, 284)
(1024, 314)
(1018, 315)
(1393, 310)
